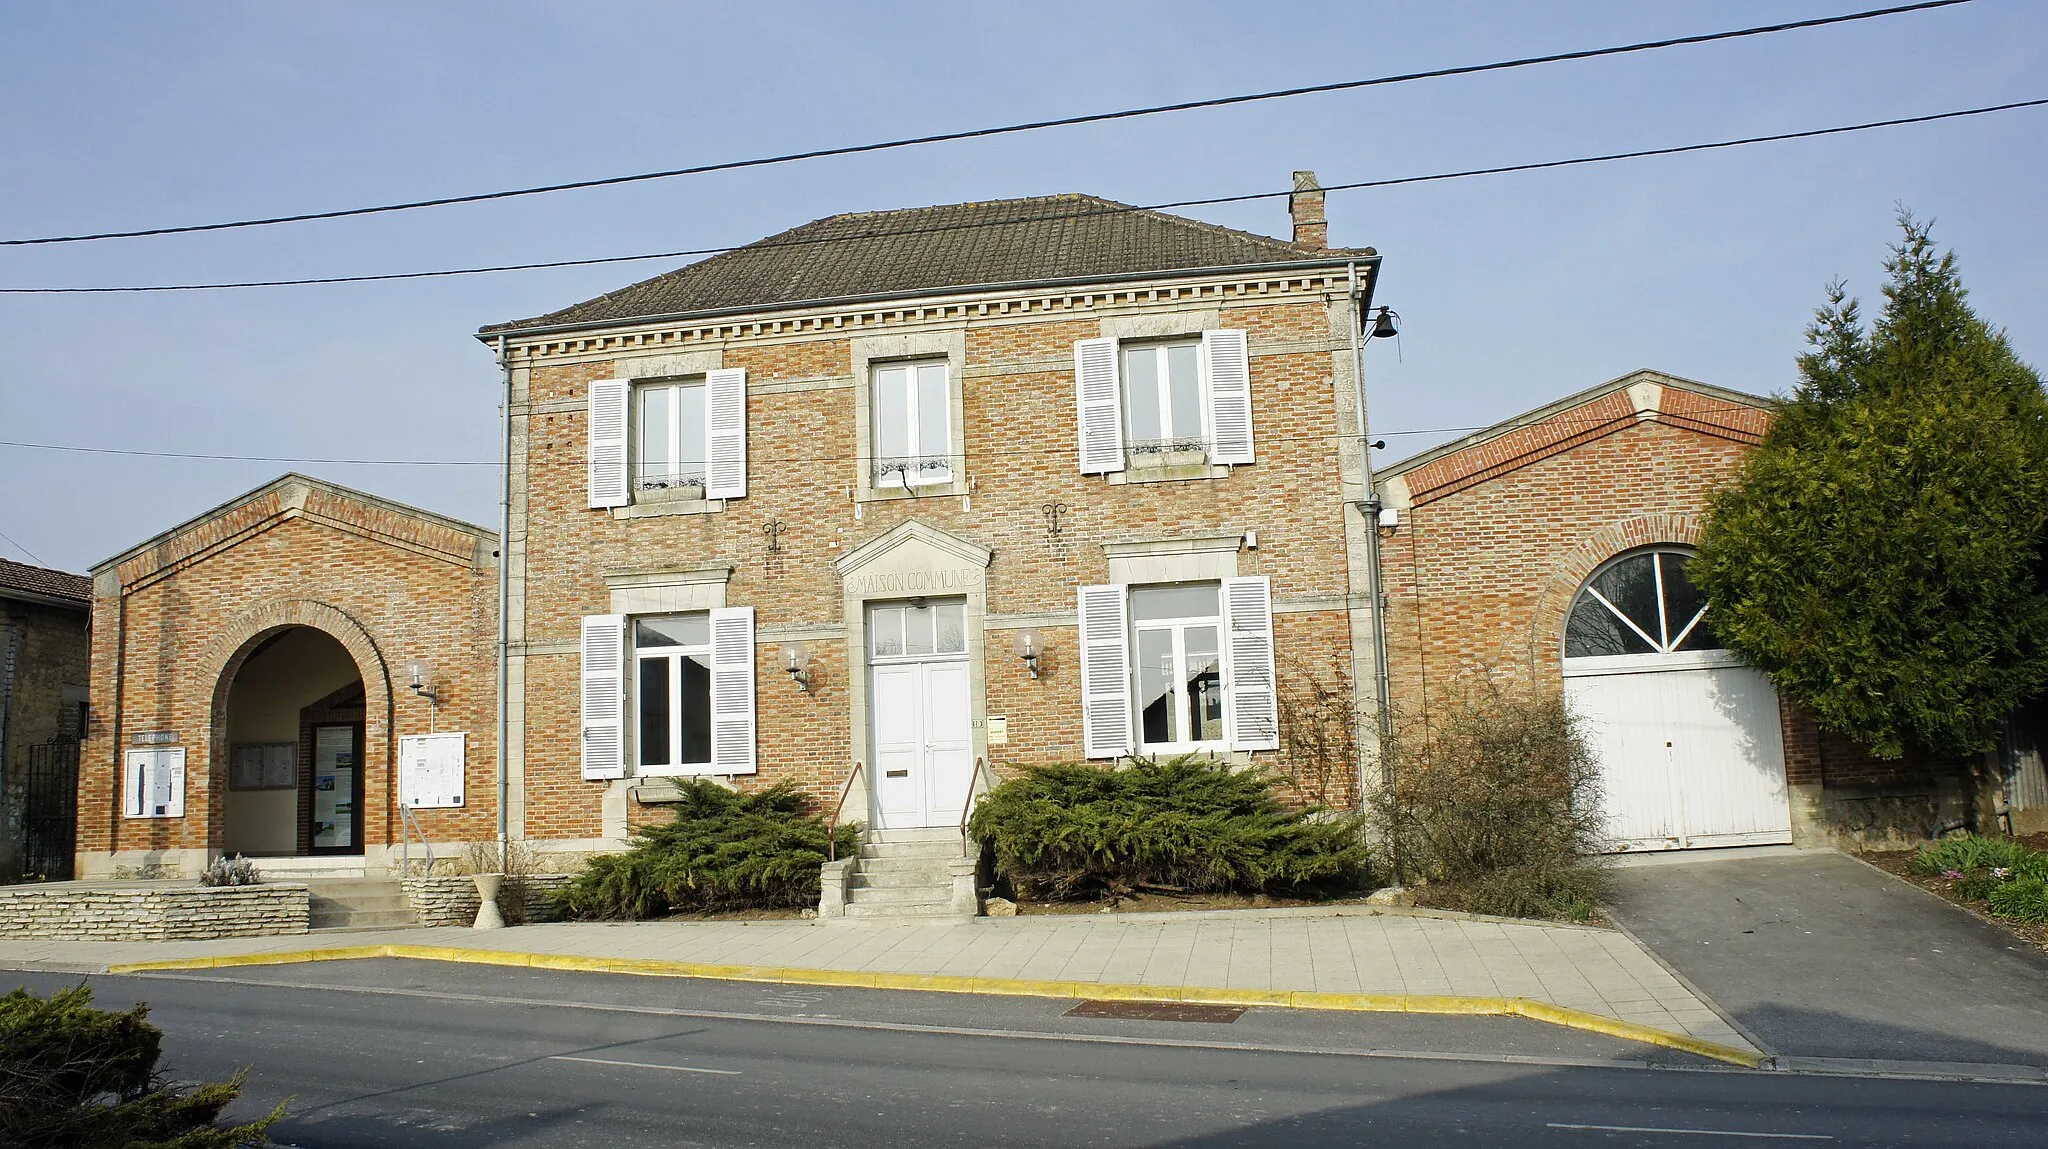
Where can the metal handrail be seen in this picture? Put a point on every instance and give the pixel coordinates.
(406, 819)
(980, 772)
(832, 823)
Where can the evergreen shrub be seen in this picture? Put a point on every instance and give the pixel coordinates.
(72, 1075)
(722, 851)
(1493, 807)
(1077, 830)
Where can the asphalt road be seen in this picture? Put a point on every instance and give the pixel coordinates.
(1822, 956)
(417, 1054)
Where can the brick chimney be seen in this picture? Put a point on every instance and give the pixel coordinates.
(1305, 204)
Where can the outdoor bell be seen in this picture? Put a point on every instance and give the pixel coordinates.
(796, 658)
(1383, 327)
(1027, 649)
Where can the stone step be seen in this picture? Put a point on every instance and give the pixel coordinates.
(361, 920)
(872, 895)
(924, 877)
(929, 848)
(901, 910)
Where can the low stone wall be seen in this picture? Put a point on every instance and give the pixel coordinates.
(450, 900)
(150, 911)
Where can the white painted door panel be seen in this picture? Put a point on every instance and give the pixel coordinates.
(898, 718)
(949, 742)
(1688, 757)
(923, 743)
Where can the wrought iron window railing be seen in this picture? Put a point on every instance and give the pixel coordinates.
(913, 470)
(677, 484)
(1167, 446)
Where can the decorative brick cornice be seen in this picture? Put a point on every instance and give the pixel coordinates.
(829, 322)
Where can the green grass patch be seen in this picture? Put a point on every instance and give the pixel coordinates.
(2009, 878)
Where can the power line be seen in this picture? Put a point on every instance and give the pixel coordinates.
(1118, 209)
(24, 550)
(1599, 421)
(1008, 129)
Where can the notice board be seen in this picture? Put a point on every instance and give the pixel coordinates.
(430, 770)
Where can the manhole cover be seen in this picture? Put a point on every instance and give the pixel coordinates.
(1158, 1011)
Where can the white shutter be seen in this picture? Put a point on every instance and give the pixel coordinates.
(725, 430)
(732, 690)
(1226, 361)
(1252, 716)
(604, 696)
(1098, 406)
(1105, 673)
(606, 426)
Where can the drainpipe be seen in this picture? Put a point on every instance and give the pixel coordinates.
(1369, 507)
(504, 621)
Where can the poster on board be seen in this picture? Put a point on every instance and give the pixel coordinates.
(430, 770)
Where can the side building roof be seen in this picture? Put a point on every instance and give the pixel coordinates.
(43, 585)
(918, 251)
(1594, 413)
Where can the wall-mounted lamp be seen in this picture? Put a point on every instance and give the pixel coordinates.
(420, 677)
(1383, 326)
(1027, 649)
(796, 658)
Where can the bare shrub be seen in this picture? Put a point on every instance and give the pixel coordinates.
(1493, 807)
(1318, 731)
(519, 862)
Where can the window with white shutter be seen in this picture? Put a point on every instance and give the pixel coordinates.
(607, 432)
(1253, 715)
(1105, 672)
(604, 696)
(1098, 404)
(726, 432)
(1226, 365)
(732, 690)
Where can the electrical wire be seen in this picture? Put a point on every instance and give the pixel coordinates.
(1116, 209)
(1689, 420)
(9, 539)
(1008, 129)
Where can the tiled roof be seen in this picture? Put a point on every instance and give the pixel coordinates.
(43, 581)
(927, 249)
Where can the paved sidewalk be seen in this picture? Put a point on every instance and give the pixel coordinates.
(1591, 970)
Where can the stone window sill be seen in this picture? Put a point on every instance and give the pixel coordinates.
(653, 508)
(927, 491)
(1172, 467)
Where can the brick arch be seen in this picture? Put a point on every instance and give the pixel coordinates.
(1546, 626)
(232, 649)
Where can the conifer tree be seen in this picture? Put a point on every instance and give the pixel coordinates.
(1881, 555)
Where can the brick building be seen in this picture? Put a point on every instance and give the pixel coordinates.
(250, 687)
(45, 629)
(1549, 550)
(1020, 481)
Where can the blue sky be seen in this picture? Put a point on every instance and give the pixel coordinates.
(1515, 290)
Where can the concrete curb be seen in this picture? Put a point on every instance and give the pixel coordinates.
(1008, 987)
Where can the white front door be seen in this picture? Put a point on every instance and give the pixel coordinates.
(920, 714)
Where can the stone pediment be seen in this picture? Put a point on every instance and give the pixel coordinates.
(914, 558)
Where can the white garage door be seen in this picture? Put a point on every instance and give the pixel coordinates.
(1687, 737)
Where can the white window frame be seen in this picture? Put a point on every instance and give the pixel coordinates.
(927, 475)
(674, 655)
(676, 435)
(1177, 628)
(910, 610)
(1160, 349)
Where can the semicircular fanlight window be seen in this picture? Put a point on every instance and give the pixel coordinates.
(1643, 604)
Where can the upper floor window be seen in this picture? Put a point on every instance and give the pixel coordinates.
(671, 447)
(912, 425)
(681, 441)
(1165, 409)
(1144, 403)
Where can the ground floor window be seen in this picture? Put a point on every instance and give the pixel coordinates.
(1177, 662)
(672, 660)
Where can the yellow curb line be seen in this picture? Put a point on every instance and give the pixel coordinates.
(1003, 986)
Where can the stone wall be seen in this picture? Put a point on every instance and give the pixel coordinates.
(450, 899)
(151, 911)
